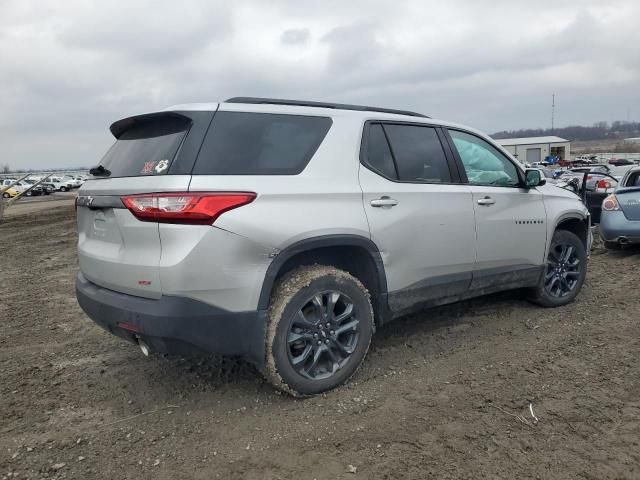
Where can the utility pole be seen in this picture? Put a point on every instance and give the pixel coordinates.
(553, 111)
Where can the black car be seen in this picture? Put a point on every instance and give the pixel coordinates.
(620, 162)
(38, 189)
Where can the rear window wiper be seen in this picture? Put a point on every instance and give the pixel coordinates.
(99, 171)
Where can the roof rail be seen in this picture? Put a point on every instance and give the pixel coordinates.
(305, 103)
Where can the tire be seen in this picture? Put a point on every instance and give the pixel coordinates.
(298, 319)
(5, 195)
(63, 189)
(562, 279)
(612, 245)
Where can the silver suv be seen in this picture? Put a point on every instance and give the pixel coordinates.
(286, 232)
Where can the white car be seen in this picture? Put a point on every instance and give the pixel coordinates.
(60, 185)
(587, 159)
(75, 182)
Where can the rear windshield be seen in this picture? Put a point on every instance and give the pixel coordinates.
(146, 148)
(241, 143)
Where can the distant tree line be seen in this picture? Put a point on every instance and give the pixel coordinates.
(599, 131)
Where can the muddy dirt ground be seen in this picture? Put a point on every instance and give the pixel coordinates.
(443, 394)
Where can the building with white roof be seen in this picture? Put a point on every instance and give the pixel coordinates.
(536, 149)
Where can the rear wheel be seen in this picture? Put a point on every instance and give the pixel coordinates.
(319, 331)
(564, 273)
(5, 195)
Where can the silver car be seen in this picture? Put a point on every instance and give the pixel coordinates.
(287, 232)
(620, 219)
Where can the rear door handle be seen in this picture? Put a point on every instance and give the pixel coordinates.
(486, 201)
(384, 202)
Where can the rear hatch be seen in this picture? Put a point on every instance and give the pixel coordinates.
(152, 153)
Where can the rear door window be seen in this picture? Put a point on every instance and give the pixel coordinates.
(240, 143)
(408, 153)
(146, 148)
(379, 154)
(418, 153)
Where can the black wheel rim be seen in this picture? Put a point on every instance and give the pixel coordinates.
(323, 335)
(563, 270)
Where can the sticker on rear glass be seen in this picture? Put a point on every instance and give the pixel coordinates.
(162, 166)
(147, 168)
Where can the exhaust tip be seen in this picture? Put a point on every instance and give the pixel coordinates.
(144, 348)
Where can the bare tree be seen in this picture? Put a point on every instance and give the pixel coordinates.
(6, 168)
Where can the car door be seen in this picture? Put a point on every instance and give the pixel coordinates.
(420, 216)
(510, 220)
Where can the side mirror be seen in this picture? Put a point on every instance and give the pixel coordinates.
(533, 178)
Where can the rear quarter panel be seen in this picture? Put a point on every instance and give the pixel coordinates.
(324, 199)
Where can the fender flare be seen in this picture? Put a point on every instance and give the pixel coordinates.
(571, 216)
(584, 218)
(313, 243)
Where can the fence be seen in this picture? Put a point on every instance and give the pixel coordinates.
(40, 177)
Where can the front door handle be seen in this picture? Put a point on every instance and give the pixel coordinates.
(384, 202)
(486, 201)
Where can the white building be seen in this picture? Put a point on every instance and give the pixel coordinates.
(535, 149)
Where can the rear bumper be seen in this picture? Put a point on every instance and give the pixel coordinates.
(175, 324)
(614, 227)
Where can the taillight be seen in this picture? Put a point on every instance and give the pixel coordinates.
(603, 184)
(610, 203)
(197, 208)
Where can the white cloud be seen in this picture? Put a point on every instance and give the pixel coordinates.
(70, 68)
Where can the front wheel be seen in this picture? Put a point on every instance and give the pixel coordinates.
(63, 189)
(564, 272)
(319, 330)
(5, 195)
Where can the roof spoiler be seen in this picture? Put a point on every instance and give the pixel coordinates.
(121, 126)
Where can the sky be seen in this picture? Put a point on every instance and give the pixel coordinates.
(69, 68)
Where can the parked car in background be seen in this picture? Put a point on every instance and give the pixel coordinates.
(620, 220)
(60, 185)
(549, 175)
(619, 171)
(75, 182)
(39, 189)
(9, 193)
(620, 161)
(585, 159)
(592, 172)
(286, 232)
(20, 187)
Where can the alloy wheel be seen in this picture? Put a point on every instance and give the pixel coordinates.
(563, 270)
(323, 335)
